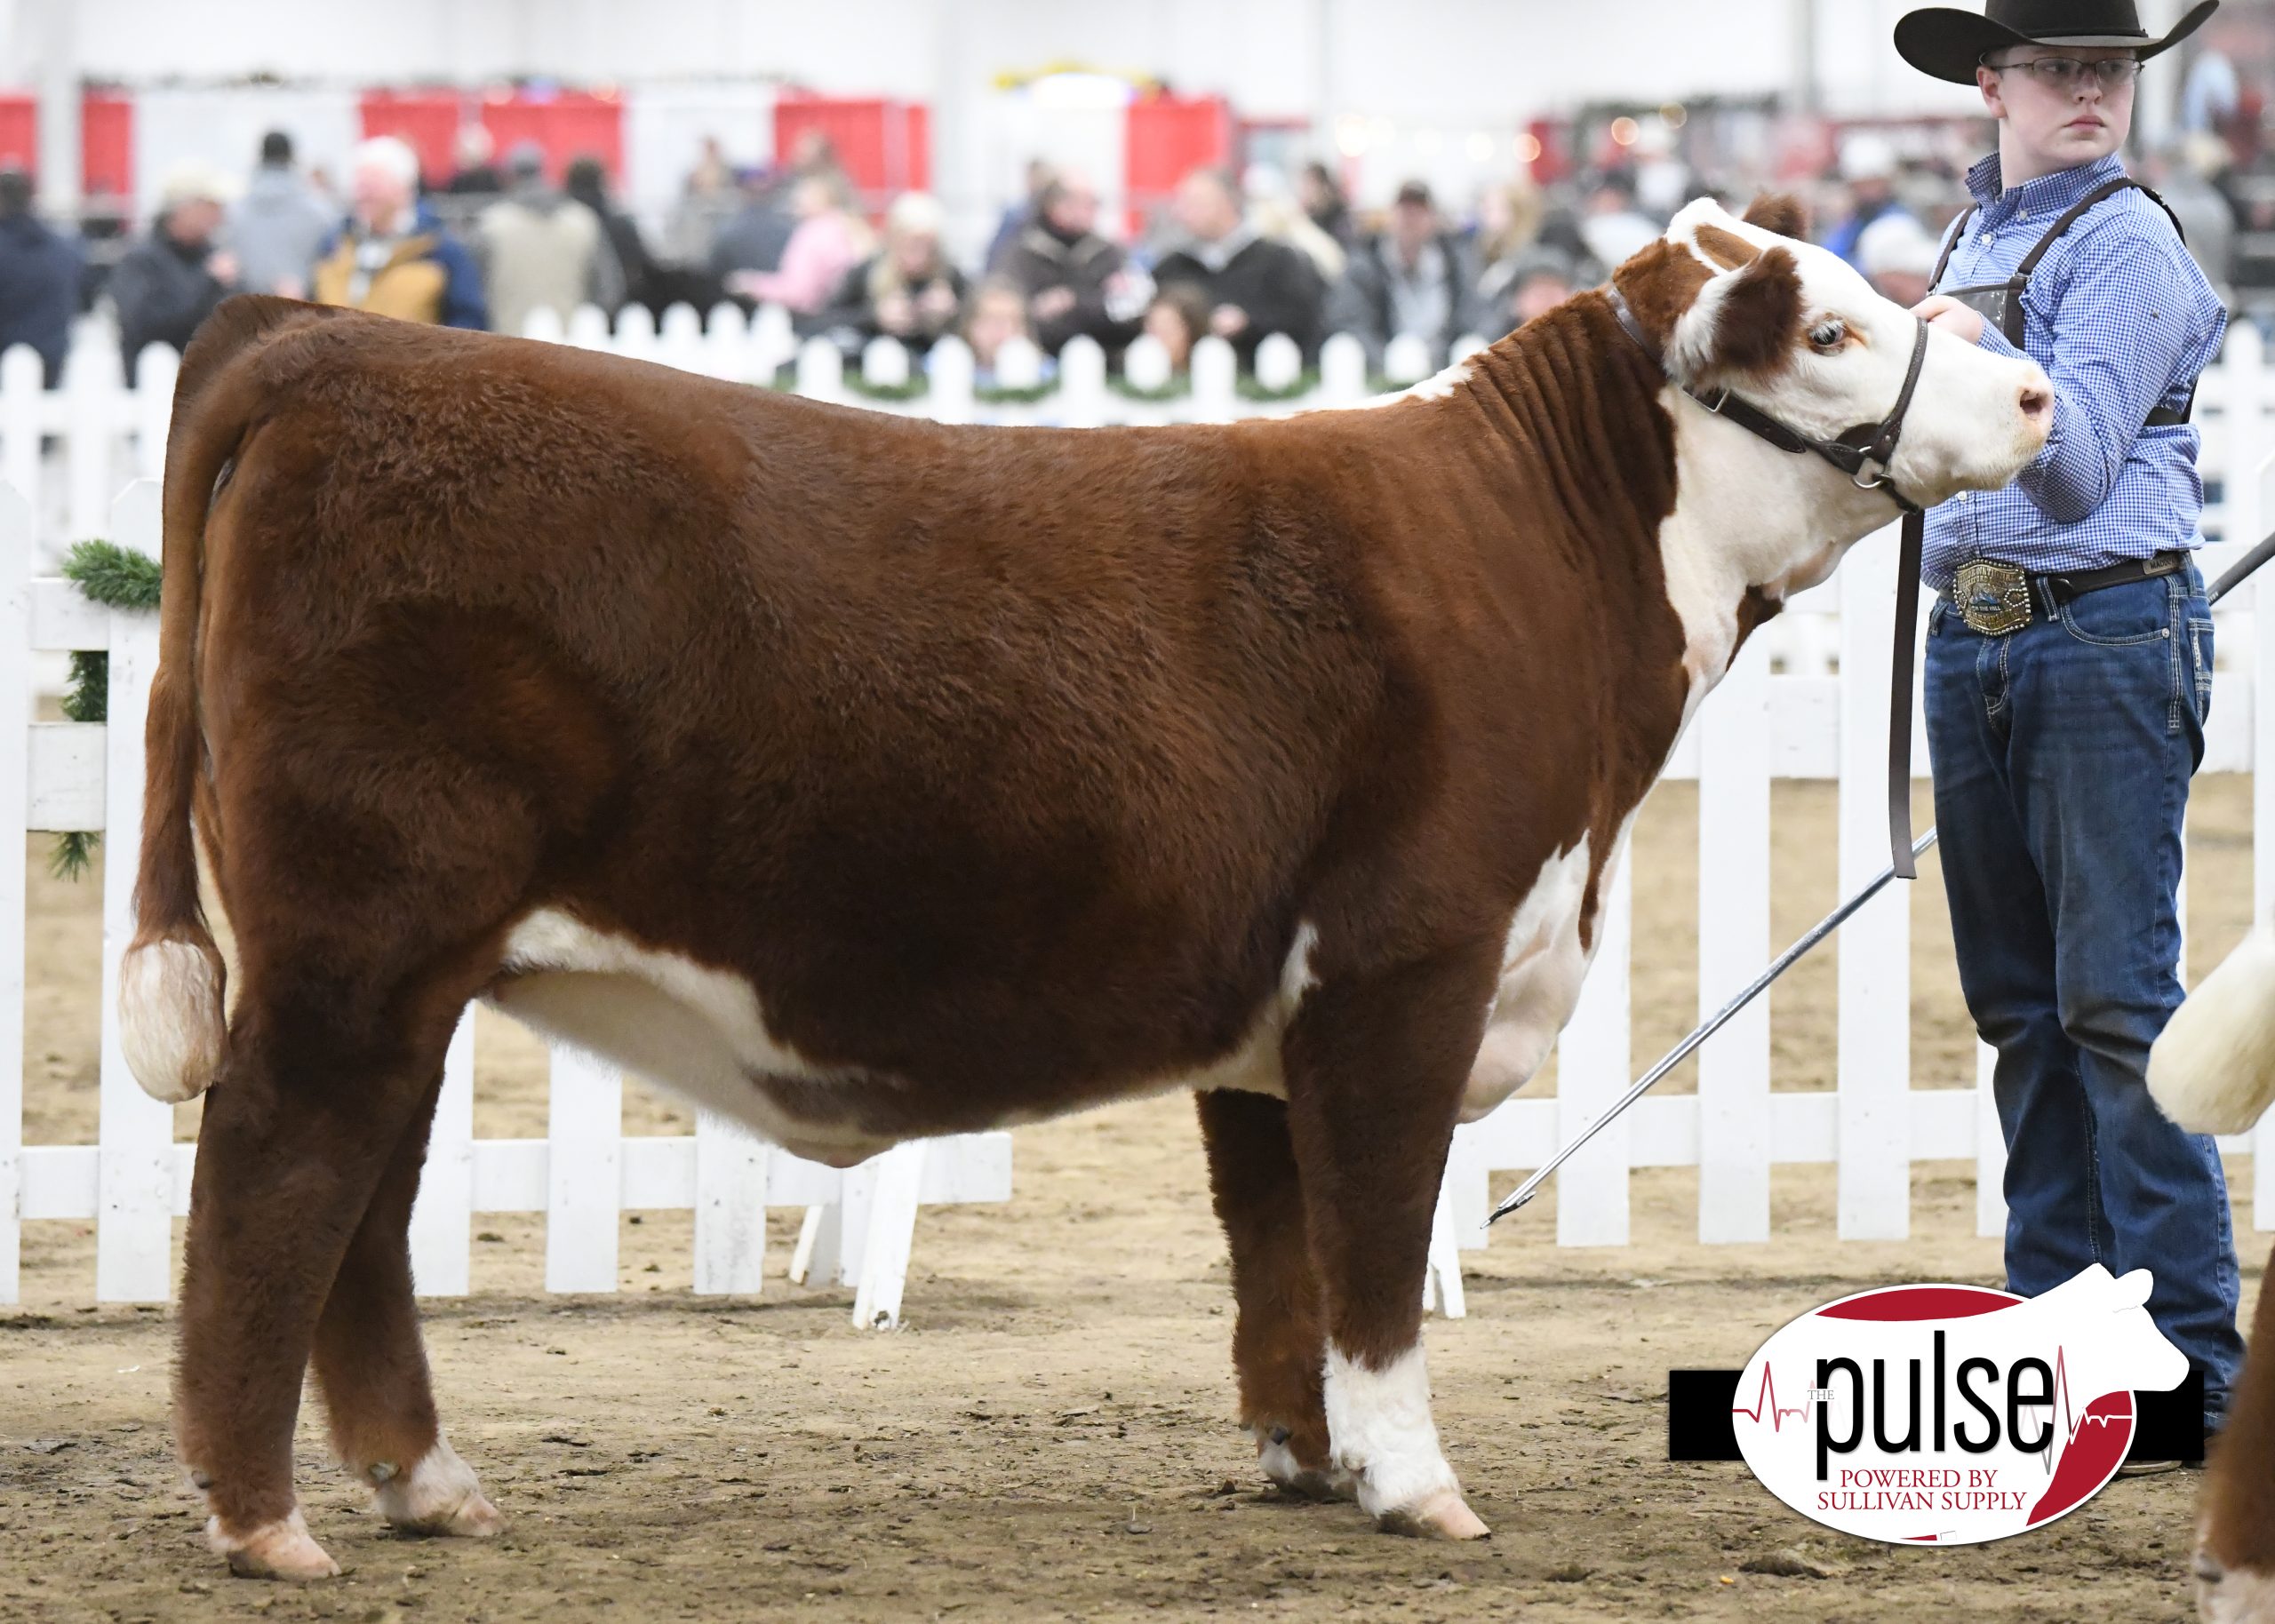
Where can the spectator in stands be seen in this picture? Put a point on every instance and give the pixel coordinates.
(1021, 214)
(1074, 281)
(1411, 281)
(908, 289)
(39, 278)
(276, 227)
(1275, 213)
(587, 183)
(1897, 257)
(1513, 289)
(1254, 285)
(828, 240)
(476, 174)
(710, 197)
(994, 316)
(1178, 317)
(1613, 228)
(1868, 166)
(755, 237)
(392, 255)
(541, 249)
(1320, 193)
(2187, 173)
(169, 280)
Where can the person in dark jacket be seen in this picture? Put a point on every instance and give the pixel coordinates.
(169, 280)
(1075, 279)
(587, 182)
(39, 278)
(908, 289)
(1414, 279)
(1255, 286)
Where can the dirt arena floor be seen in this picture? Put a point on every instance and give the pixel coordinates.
(1050, 1437)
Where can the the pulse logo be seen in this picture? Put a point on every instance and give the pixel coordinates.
(1952, 1414)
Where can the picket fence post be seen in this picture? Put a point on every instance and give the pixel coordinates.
(1593, 1057)
(1734, 878)
(135, 1160)
(15, 807)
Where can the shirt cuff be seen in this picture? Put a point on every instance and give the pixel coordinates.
(1995, 341)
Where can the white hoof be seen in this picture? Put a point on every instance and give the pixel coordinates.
(282, 1550)
(1443, 1516)
(438, 1494)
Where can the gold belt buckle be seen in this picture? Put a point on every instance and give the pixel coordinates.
(1992, 597)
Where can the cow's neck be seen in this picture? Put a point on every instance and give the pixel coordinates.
(1750, 526)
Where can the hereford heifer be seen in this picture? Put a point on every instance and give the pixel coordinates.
(865, 778)
(2213, 1071)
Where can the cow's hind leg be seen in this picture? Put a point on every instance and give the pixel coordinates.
(1375, 1073)
(371, 1366)
(1279, 1340)
(323, 1080)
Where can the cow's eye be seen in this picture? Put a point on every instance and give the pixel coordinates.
(1827, 334)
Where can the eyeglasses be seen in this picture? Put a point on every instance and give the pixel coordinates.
(2062, 73)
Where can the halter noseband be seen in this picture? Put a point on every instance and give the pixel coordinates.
(1862, 453)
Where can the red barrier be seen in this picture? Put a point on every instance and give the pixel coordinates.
(572, 125)
(106, 144)
(884, 146)
(19, 133)
(428, 120)
(1167, 139)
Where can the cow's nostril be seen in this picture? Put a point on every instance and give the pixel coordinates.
(2037, 402)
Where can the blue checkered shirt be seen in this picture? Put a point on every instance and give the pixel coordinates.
(2122, 321)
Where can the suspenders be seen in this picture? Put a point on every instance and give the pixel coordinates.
(2001, 302)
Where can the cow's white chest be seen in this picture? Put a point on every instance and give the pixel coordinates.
(697, 1030)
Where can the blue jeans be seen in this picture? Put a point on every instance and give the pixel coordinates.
(2063, 753)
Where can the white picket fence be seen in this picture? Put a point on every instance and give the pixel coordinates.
(1806, 700)
(135, 1181)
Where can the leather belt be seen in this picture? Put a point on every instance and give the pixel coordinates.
(1995, 598)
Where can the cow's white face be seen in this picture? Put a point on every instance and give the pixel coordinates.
(1794, 329)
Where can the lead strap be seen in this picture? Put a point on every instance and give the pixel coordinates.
(1914, 542)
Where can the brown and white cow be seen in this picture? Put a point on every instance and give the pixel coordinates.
(866, 778)
(2213, 1071)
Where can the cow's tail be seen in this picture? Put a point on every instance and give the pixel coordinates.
(172, 981)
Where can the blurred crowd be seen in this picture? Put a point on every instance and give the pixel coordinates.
(1238, 257)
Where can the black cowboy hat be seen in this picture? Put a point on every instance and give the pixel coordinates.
(1949, 44)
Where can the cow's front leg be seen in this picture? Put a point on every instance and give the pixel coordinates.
(371, 1366)
(1278, 1339)
(1375, 1070)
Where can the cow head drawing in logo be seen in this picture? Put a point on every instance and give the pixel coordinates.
(1952, 1415)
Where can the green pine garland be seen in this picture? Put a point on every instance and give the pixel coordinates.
(116, 577)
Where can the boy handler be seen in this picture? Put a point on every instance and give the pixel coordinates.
(2069, 663)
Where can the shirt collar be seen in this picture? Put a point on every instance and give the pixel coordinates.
(2047, 193)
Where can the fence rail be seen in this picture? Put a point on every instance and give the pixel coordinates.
(1805, 700)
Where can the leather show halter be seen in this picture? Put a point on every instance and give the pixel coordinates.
(1862, 453)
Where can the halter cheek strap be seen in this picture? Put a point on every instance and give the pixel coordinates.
(1863, 454)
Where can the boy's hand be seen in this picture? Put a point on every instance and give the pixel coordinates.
(1962, 321)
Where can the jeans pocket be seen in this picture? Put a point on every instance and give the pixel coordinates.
(2120, 616)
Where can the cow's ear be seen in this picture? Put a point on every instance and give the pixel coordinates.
(1778, 211)
(1747, 321)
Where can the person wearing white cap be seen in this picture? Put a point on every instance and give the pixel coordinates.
(169, 280)
(1868, 166)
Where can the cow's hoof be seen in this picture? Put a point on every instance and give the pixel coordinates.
(438, 1495)
(2232, 1596)
(1291, 1477)
(282, 1550)
(1443, 1516)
